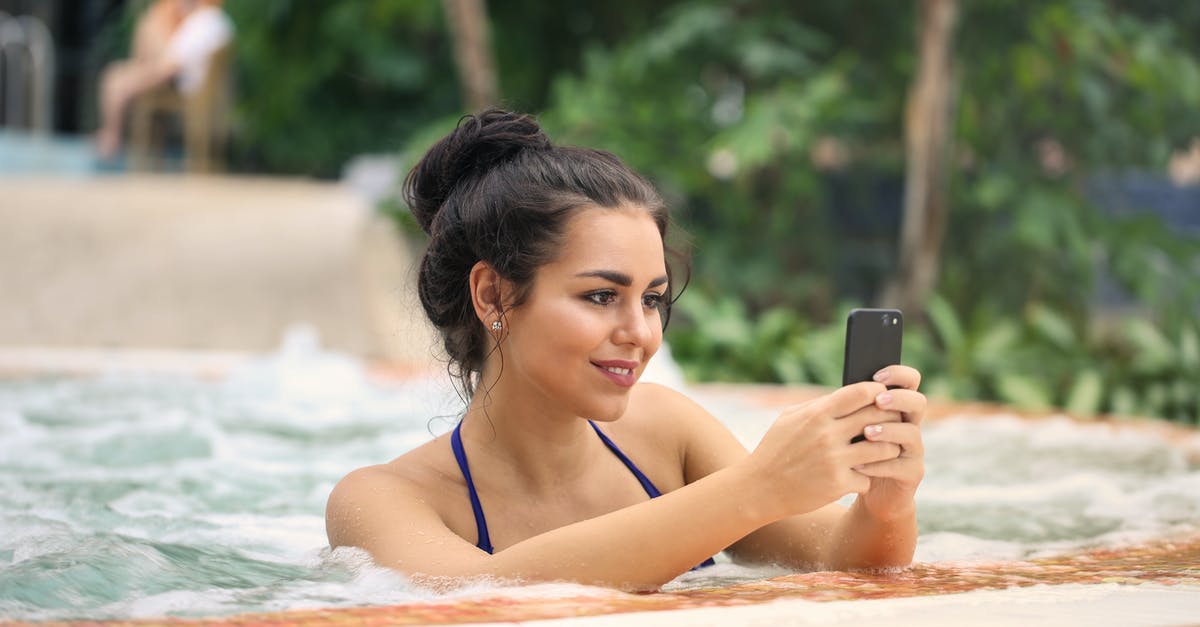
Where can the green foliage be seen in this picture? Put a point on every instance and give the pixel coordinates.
(1128, 366)
(1103, 89)
(1028, 243)
(319, 82)
(535, 41)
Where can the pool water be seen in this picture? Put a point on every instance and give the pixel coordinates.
(135, 495)
(23, 153)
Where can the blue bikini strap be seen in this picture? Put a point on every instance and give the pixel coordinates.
(485, 542)
(481, 530)
(642, 479)
(647, 485)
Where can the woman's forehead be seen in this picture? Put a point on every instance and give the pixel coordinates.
(621, 235)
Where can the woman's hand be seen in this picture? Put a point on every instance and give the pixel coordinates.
(893, 482)
(806, 456)
(807, 461)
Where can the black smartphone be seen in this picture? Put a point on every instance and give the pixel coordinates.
(873, 338)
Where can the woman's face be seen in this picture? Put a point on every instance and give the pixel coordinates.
(592, 318)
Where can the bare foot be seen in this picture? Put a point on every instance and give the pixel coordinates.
(108, 143)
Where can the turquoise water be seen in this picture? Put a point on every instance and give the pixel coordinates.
(23, 153)
(126, 496)
(66, 156)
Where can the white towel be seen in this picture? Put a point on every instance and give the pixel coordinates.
(203, 32)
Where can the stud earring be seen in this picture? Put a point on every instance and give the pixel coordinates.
(496, 326)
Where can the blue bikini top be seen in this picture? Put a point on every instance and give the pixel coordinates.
(485, 542)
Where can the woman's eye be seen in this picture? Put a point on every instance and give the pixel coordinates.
(652, 301)
(602, 298)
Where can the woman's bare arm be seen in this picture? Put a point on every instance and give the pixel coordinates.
(829, 536)
(638, 547)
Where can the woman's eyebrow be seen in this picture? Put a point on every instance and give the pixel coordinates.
(620, 278)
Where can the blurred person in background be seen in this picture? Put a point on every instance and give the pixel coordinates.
(173, 41)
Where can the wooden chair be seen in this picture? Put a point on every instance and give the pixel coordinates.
(204, 115)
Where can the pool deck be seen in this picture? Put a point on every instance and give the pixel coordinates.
(94, 269)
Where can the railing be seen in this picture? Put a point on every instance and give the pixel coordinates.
(26, 73)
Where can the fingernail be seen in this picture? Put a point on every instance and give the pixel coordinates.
(883, 399)
(881, 376)
(873, 430)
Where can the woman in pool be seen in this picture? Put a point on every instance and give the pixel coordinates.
(546, 276)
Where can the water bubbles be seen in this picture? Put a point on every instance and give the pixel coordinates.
(167, 494)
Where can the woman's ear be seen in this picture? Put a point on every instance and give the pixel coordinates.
(486, 293)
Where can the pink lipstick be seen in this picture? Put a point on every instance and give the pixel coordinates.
(619, 371)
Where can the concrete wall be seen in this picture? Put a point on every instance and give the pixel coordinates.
(202, 263)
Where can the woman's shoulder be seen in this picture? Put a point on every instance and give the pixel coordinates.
(658, 406)
(415, 484)
(661, 415)
(413, 474)
(670, 420)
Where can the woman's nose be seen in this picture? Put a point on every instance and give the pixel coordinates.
(635, 326)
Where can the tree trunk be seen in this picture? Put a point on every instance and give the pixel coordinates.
(473, 52)
(927, 147)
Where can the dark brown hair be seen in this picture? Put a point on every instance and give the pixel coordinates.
(497, 190)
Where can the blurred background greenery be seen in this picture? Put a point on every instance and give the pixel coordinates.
(1066, 262)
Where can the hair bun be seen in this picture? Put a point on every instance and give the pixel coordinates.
(476, 145)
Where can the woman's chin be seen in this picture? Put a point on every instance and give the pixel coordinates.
(610, 410)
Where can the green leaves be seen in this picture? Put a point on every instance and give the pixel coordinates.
(1055, 329)
(720, 341)
(1023, 390)
(321, 82)
(1086, 396)
(1152, 353)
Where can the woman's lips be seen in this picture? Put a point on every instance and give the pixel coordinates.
(619, 371)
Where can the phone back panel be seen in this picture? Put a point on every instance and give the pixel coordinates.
(873, 338)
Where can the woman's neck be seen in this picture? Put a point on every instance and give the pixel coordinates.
(523, 432)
